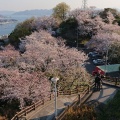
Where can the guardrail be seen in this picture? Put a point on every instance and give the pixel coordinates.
(28, 109)
(77, 100)
(114, 80)
(78, 89)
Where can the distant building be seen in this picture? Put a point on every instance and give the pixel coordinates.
(111, 70)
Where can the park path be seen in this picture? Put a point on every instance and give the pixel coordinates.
(46, 111)
(106, 93)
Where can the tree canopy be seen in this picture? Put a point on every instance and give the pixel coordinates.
(21, 30)
(60, 11)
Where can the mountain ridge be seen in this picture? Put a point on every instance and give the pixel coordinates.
(39, 12)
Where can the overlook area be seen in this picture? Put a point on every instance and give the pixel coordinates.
(49, 64)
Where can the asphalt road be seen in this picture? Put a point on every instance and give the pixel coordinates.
(89, 66)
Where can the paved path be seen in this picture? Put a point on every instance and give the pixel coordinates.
(106, 93)
(46, 112)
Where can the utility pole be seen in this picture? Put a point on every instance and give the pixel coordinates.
(84, 4)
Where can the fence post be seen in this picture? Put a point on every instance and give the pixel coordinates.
(34, 106)
(116, 81)
(88, 88)
(79, 99)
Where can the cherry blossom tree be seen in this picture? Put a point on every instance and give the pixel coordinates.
(106, 34)
(23, 86)
(87, 21)
(102, 41)
(48, 48)
(110, 18)
(49, 55)
(45, 23)
(26, 76)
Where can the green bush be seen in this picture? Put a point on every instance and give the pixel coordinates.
(111, 110)
(8, 108)
(21, 30)
(68, 30)
(83, 112)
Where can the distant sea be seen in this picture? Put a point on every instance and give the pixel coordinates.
(6, 29)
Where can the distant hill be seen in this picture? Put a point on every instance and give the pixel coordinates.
(6, 13)
(40, 12)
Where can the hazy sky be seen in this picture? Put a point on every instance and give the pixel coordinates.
(18, 5)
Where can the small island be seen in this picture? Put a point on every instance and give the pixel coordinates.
(5, 20)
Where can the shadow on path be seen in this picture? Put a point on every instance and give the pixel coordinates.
(104, 94)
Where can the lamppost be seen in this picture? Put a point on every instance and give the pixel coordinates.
(54, 80)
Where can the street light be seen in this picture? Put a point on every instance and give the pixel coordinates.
(54, 80)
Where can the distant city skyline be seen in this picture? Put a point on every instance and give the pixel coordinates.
(20, 5)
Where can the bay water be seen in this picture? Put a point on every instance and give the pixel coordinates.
(6, 29)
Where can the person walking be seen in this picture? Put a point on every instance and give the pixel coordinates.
(98, 81)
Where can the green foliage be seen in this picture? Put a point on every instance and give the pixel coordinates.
(68, 30)
(118, 21)
(21, 30)
(83, 112)
(112, 110)
(70, 23)
(60, 11)
(115, 13)
(84, 41)
(8, 108)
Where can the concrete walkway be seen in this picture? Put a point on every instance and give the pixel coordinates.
(46, 112)
(106, 93)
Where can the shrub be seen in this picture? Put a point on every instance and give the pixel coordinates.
(83, 112)
(21, 30)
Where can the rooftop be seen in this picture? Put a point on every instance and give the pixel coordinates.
(110, 68)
